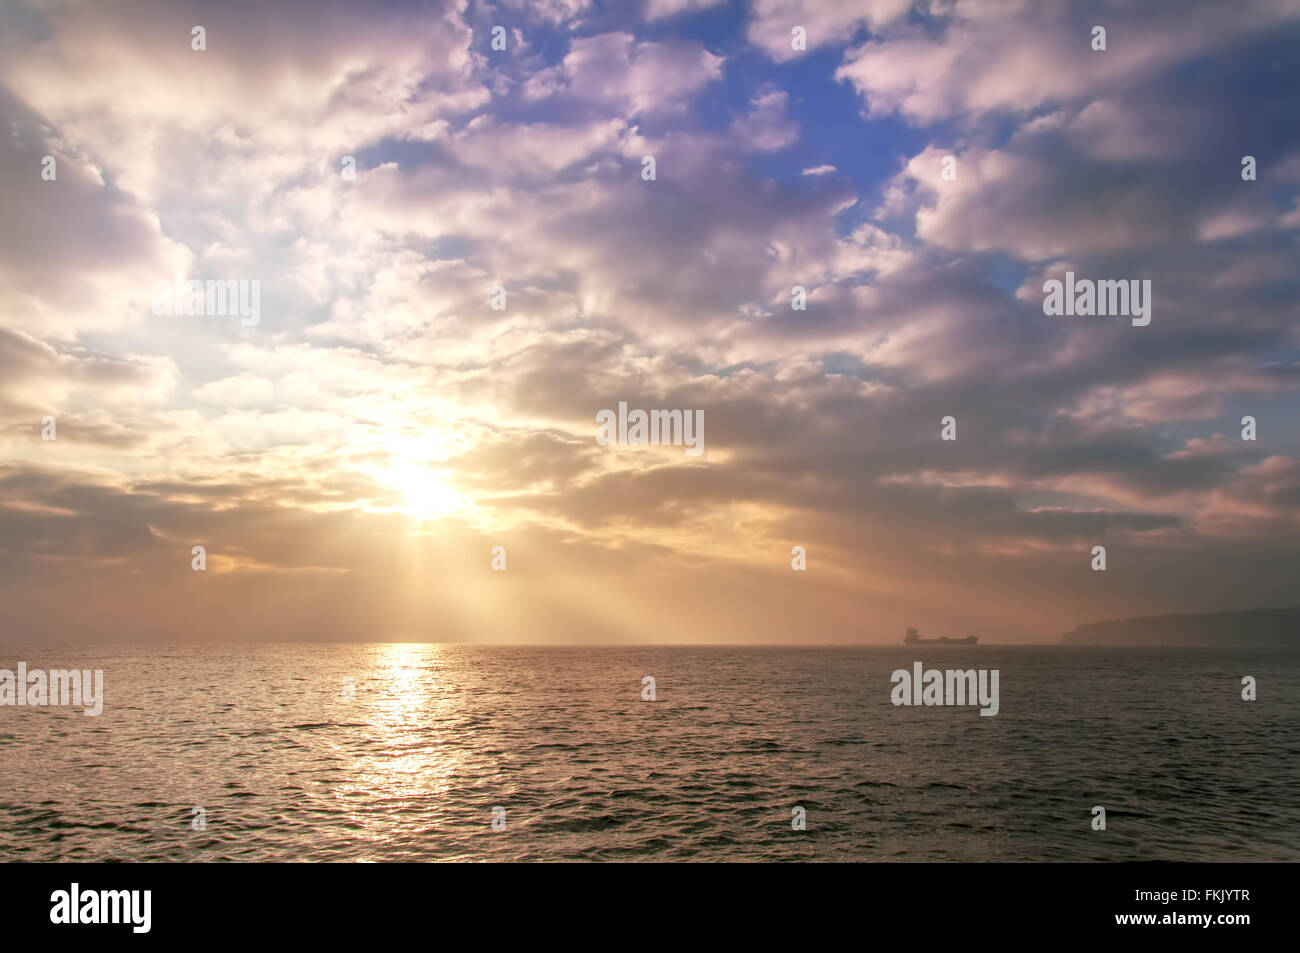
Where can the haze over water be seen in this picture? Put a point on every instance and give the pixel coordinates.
(287, 769)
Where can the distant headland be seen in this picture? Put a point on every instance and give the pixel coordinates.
(1252, 627)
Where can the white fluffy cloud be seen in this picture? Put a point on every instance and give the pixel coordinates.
(619, 73)
(825, 22)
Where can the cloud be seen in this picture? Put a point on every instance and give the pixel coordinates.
(985, 57)
(617, 73)
(661, 9)
(824, 22)
(383, 427)
(767, 126)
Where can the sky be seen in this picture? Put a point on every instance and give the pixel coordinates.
(349, 460)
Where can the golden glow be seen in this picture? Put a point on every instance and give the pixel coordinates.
(426, 495)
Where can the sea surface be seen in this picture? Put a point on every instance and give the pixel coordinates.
(287, 767)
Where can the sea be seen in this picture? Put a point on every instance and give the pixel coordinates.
(436, 752)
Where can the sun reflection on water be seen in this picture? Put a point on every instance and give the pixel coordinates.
(405, 767)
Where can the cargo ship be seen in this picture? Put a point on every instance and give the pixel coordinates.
(914, 638)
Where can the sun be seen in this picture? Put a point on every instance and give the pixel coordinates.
(425, 492)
